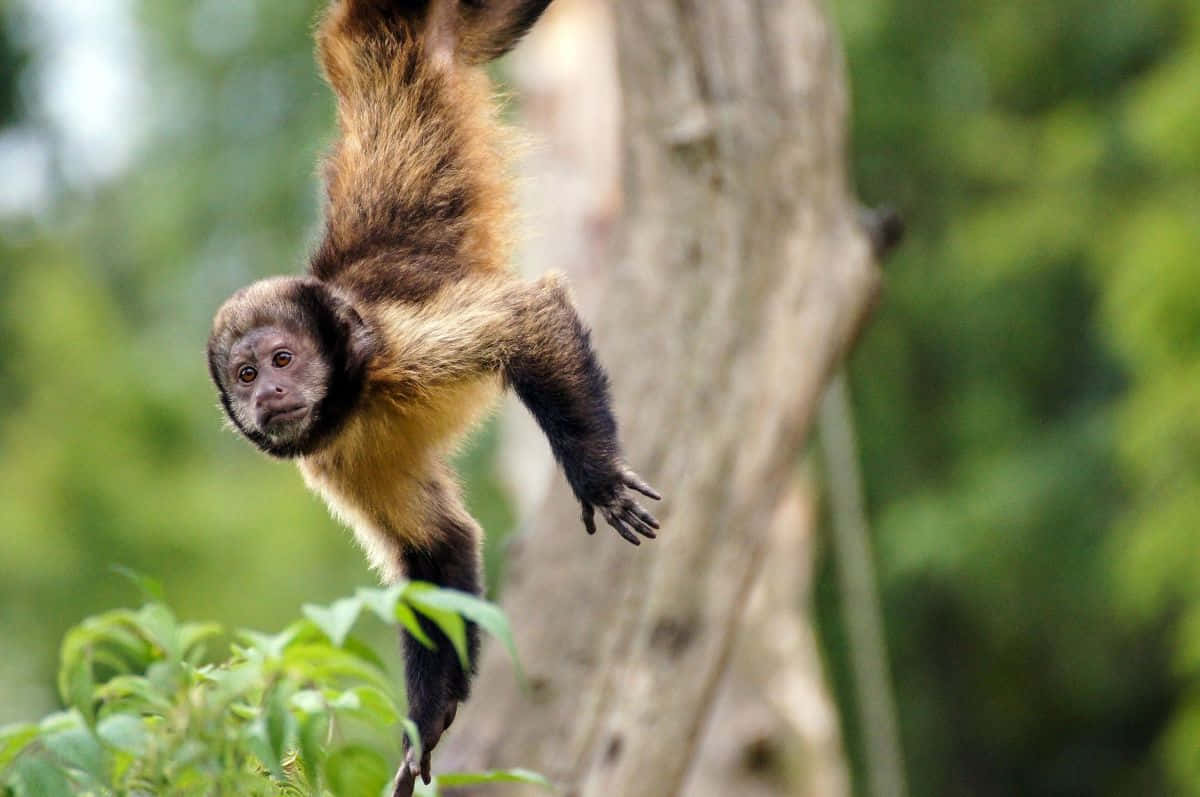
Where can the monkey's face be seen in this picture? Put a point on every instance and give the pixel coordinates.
(276, 379)
(289, 359)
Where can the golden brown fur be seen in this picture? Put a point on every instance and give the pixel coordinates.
(419, 170)
(410, 322)
(420, 167)
(437, 375)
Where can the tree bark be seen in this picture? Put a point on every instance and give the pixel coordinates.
(740, 279)
(774, 729)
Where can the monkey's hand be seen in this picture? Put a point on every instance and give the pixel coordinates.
(613, 497)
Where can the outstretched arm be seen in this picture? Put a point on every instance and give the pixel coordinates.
(530, 334)
(555, 372)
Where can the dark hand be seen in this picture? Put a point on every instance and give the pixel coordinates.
(620, 510)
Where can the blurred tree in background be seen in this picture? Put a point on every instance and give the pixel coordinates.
(1028, 396)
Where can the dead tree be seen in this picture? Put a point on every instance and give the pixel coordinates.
(740, 277)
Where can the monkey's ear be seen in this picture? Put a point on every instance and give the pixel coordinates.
(362, 343)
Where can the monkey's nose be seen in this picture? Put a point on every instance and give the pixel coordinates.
(270, 394)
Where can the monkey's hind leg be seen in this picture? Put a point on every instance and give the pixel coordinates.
(435, 679)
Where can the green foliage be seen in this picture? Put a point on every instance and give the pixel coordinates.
(14, 57)
(1027, 395)
(310, 710)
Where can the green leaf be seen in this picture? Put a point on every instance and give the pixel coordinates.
(382, 602)
(271, 644)
(151, 588)
(158, 624)
(192, 637)
(310, 701)
(107, 639)
(487, 616)
(14, 739)
(408, 618)
(370, 703)
(280, 724)
(190, 752)
(456, 779)
(235, 680)
(333, 667)
(257, 739)
(363, 652)
(337, 620)
(313, 733)
(164, 677)
(78, 748)
(76, 683)
(135, 690)
(448, 620)
(60, 721)
(125, 733)
(356, 770)
(36, 777)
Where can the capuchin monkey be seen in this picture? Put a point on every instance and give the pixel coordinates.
(409, 324)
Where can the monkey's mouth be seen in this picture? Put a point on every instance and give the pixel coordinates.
(284, 415)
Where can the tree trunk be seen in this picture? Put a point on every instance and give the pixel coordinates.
(740, 279)
(774, 729)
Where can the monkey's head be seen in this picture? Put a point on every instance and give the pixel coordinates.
(289, 359)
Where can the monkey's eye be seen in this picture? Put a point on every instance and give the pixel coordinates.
(247, 373)
(282, 359)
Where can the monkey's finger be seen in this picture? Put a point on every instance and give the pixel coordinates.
(631, 479)
(643, 515)
(616, 523)
(589, 518)
(636, 523)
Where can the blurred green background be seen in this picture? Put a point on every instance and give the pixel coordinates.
(1028, 396)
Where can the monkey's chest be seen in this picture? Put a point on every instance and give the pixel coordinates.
(374, 475)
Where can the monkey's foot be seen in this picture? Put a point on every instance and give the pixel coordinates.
(406, 778)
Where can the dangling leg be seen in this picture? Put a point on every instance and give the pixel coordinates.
(435, 678)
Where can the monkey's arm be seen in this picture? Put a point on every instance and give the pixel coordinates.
(556, 374)
(532, 336)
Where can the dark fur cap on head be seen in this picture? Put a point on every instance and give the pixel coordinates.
(302, 306)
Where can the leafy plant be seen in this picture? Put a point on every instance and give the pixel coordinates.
(308, 711)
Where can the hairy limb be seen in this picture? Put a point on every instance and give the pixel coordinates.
(436, 681)
(416, 183)
(556, 374)
(531, 334)
(399, 211)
